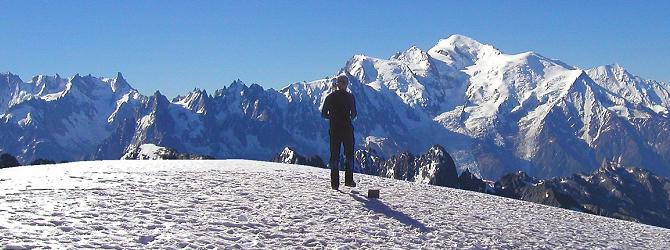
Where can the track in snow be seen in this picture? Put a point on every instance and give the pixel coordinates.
(250, 204)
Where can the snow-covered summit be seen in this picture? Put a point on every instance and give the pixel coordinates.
(417, 60)
(649, 93)
(461, 51)
(119, 84)
(250, 204)
(196, 101)
(45, 84)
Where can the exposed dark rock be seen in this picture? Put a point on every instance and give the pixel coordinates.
(42, 162)
(468, 181)
(612, 190)
(8, 161)
(513, 185)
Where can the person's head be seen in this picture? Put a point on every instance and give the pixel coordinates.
(342, 82)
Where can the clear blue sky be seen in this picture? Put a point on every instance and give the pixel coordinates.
(175, 46)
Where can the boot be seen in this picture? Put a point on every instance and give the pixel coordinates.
(334, 178)
(349, 175)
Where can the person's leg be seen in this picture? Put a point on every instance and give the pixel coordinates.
(348, 140)
(334, 159)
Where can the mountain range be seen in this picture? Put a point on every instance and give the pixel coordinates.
(495, 113)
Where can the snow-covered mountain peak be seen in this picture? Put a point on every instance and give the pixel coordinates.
(416, 59)
(9, 83)
(195, 101)
(613, 71)
(363, 68)
(51, 88)
(12, 91)
(615, 78)
(45, 85)
(461, 41)
(412, 53)
(70, 82)
(87, 87)
(9, 77)
(39, 78)
(119, 84)
(394, 77)
(460, 51)
(510, 83)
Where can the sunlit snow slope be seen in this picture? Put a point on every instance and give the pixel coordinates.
(250, 204)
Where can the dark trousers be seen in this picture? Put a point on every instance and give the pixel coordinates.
(339, 137)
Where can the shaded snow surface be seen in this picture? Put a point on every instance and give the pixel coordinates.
(250, 204)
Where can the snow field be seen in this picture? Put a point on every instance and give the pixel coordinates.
(251, 204)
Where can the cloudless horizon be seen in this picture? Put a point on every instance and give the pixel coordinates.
(175, 46)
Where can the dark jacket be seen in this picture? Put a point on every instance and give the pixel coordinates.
(340, 108)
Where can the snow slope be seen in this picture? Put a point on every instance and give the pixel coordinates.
(250, 204)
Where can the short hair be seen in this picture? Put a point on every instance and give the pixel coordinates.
(342, 78)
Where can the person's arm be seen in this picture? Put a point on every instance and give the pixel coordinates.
(325, 110)
(353, 107)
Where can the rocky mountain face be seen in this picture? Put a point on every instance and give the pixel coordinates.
(8, 161)
(155, 152)
(495, 113)
(523, 187)
(469, 181)
(612, 190)
(435, 167)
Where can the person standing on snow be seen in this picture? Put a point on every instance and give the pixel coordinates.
(340, 108)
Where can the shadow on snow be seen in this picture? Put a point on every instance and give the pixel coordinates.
(378, 206)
